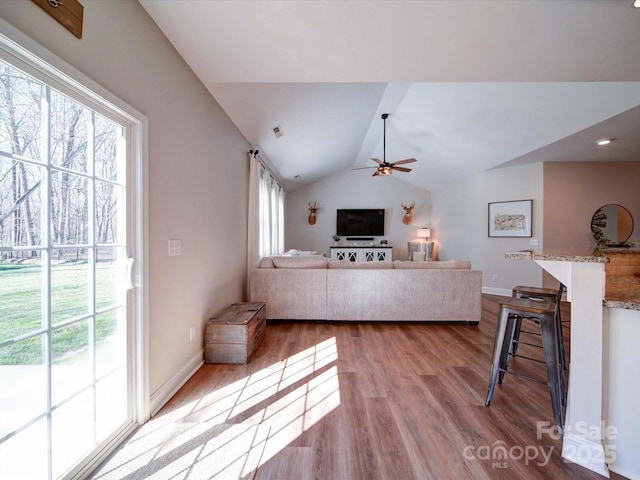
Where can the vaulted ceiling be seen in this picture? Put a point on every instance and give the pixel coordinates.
(469, 85)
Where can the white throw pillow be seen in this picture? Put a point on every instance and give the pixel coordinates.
(301, 261)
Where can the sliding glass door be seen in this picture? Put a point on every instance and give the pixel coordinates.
(66, 354)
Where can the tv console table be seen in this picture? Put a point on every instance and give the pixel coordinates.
(364, 253)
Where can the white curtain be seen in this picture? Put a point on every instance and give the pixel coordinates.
(266, 214)
(253, 227)
(271, 208)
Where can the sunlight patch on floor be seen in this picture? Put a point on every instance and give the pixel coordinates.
(289, 396)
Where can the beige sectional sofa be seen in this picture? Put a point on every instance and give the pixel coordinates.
(315, 288)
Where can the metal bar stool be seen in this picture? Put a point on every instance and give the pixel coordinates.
(537, 293)
(545, 314)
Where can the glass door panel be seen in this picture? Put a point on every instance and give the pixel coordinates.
(25, 455)
(21, 282)
(71, 363)
(64, 363)
(72, 432)
(23, 376)
(70, 130)
(111, 353)
(21, 187)
(111, 405)
(70, 284)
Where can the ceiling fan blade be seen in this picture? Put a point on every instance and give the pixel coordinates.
(362, 168)
(378, 161)
(407, 160)
(376, 173)
(401, 169)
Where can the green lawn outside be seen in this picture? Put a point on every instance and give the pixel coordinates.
(21, 308)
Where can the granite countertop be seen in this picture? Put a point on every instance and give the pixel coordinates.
(625, 296)
(557, 255)
(629, 301)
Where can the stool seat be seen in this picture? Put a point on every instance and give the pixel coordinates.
(534, 291)
(525, 305)
(511, 311)
(547, 294)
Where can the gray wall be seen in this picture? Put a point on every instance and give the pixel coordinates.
(460, 214)
(457, 215)
(197, 176)
(355, 189)
(565, 195)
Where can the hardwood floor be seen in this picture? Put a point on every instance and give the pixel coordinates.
(382, 401)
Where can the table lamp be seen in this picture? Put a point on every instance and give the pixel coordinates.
(424, 233)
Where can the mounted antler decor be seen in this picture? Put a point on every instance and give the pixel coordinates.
(407, 212)
(313, 208)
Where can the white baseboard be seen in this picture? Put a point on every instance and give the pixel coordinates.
(631, 475)
(161, 396)
(497, 291)
(588, 454)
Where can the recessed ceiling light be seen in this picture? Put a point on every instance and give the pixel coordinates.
(603, 141)
(635, 4)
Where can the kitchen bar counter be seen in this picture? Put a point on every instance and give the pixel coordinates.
(601, 424)
(626, 291)
(622, 283)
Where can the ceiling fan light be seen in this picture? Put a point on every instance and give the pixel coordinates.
(385, 171)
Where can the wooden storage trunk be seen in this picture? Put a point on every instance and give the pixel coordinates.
(234, 335)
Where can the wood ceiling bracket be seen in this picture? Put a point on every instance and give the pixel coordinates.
(67, 12)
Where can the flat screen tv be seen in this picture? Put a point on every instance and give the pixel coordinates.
(367, 222)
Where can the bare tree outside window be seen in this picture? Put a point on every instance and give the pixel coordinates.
(81, 144)
(58, 176)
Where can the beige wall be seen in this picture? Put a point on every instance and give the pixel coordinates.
(573, 191)
(197, 176)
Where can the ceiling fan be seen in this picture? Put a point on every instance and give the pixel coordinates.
(384, 167)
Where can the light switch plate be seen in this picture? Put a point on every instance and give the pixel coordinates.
(175, 247)
(533, 242)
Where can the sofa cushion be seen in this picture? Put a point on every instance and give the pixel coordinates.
(302, 261)
(360, 265)
(454, 264)
(266, 262)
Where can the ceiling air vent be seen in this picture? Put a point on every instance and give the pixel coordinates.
(277, 131)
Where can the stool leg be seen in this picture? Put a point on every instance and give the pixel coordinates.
(554, 367)
(561, 336)
(513, 323)
(563, 358)
(498, 346)
(516, 336)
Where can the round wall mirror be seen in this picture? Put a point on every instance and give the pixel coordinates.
(615, 222)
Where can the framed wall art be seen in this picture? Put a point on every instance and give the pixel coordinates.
(510, 219)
